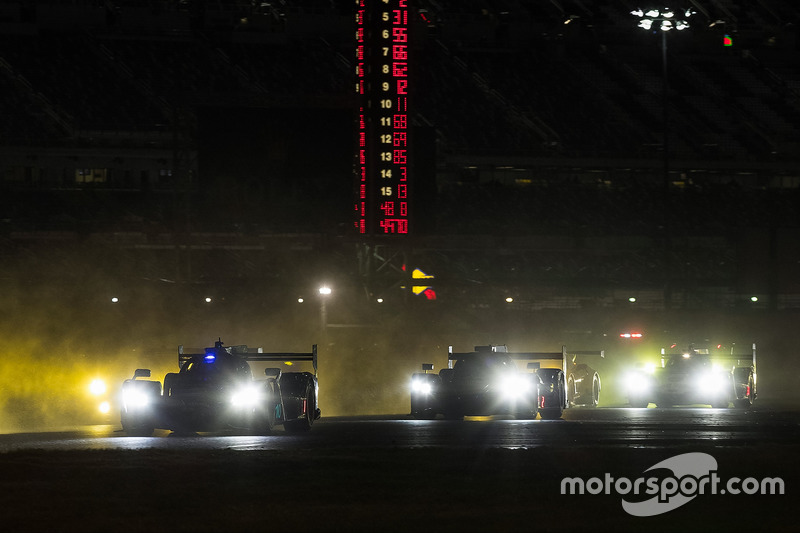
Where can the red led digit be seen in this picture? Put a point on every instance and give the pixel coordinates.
(383, 64)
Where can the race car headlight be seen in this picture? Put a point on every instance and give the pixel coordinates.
(97, 387)
(514, 386)
(246, 396)
(637, 383)
(421, 387)
(711, 383)
(135, 398)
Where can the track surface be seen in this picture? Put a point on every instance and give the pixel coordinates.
(397, 474)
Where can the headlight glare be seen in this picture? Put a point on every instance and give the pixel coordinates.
(514, 386)
(247, 396)
(712, 383)
(421, 387)
(97, 387)
(135, 398)
(637, 383)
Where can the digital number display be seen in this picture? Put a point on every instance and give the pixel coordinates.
(382, 159)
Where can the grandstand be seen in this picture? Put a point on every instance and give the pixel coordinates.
(224, 126)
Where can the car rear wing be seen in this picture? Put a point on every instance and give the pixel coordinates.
(529, 356)
(255, 354)
(742, 358)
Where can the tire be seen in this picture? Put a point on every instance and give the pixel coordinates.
(138, 423)
(421, 407)
(746, 403)
(265, 421)
(453, 414)
(136, 427)
(595, 391)
(420, 412)
(169, 383)
(525, 414)
(662, 402)
(555, 413)
(571, 391)
(638, 403)
(720, 404)
(304, 423)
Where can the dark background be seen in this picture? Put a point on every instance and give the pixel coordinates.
(219, 141)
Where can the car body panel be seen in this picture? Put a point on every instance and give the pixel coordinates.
(215, 391)
(696, 376)
(488, 381)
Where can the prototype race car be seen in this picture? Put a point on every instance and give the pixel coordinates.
(216, 391)
(488, 381)
(696, 376)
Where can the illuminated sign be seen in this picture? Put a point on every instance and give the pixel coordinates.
(727, 41)
(428, 291)
(425, 290)
(382, 156)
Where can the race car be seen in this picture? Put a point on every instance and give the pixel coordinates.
(696, 376)
(583, 381)
(216, 391)
(488, 381)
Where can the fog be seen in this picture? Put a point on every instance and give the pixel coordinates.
(48, 353)
(59, 329)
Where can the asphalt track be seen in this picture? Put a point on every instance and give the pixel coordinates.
(397, 474)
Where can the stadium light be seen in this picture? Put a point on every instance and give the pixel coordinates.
(664, 20)
(324, 293)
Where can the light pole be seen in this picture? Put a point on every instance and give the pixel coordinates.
(324, 292)
(664, 20)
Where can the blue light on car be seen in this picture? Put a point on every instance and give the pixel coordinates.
(210, 357)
